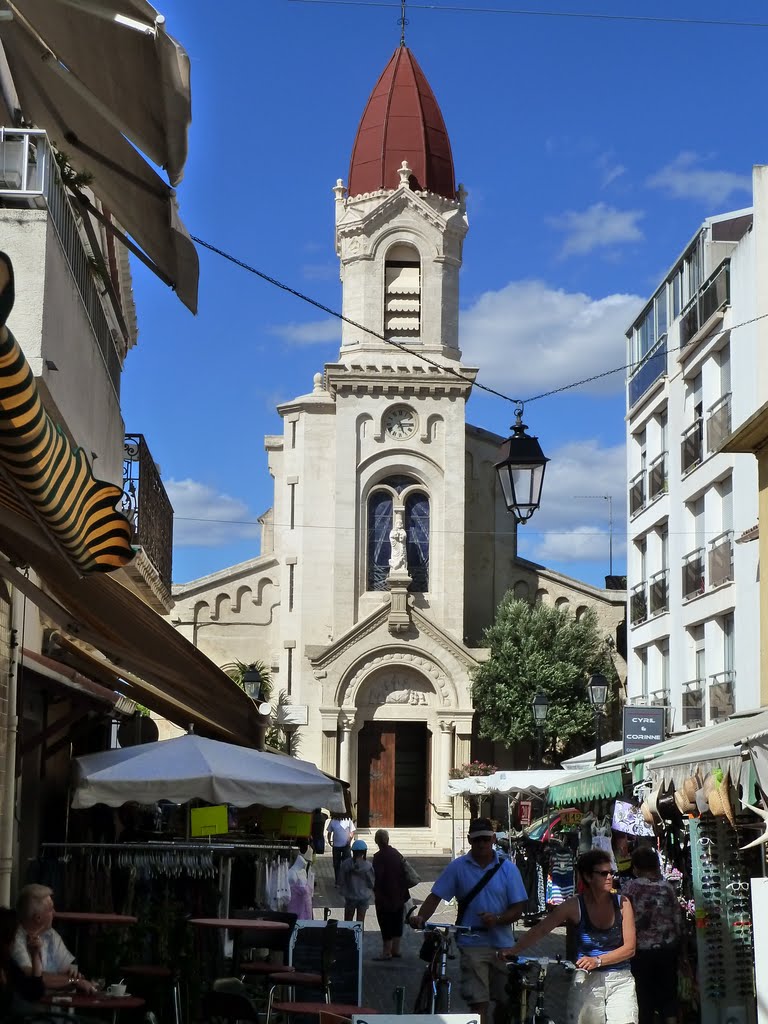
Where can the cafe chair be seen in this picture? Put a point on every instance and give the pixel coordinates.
(306, 980)
(156, 973)
(279, 942)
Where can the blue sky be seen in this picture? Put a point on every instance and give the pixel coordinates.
(591, 151)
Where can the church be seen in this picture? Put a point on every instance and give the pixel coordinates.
(388, 545)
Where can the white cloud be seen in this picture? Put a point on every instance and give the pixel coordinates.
(528, 337)
(683, 179)
(598, 227)
(313, 332)
(208, 518)
(610, 169)
(572, 524)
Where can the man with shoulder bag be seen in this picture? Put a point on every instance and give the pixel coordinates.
(491, 895)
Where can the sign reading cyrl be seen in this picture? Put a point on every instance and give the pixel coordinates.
(642, 727)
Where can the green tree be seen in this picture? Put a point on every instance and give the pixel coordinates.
(539, 647)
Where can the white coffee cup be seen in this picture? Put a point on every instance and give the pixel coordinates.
(116, 990)
(580, 976)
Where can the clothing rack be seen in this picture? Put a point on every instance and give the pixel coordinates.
(283, 846)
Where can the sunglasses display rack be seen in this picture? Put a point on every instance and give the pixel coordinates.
(724, 940)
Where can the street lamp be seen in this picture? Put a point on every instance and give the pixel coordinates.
(520, 466)
(252, 684)
(597, 688)
(540, 705)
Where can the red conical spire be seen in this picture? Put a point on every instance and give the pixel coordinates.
(402, 121)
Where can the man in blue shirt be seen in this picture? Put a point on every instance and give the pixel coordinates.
(489, 914)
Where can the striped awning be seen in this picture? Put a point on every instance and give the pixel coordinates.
(592, 785)
(53, 478)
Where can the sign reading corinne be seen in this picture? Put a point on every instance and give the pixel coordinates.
(642, 727)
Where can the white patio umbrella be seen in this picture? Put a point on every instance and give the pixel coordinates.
(192, 767)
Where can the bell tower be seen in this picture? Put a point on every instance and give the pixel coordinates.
(400, 222)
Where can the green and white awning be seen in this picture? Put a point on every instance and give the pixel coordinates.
(592, 785)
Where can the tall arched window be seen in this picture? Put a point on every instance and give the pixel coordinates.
(402, 293)
(398, 493)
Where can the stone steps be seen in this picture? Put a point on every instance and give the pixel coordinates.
(411, 842)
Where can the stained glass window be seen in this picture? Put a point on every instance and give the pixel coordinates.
(379, 548)
(380, 514)
(417, 544)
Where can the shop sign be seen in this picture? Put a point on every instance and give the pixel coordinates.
(525, 808)
(642, 727)
(571, 818)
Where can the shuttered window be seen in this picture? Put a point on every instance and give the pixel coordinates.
(402, 294)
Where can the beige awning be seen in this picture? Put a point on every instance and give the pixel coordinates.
(95, 74)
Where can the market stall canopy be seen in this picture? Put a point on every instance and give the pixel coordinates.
(504, 782)
(580, 786)
(582, 762)
(104, 79)
(194, 768)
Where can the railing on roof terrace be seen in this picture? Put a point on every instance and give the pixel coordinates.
(721, 694)
(713, 295)
(146, 504)
(28, 171)
(646, 373)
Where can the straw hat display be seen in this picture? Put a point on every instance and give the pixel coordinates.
(720, 798)
(685, 795)
(649, 806)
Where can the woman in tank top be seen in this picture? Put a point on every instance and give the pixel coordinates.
(604, 927)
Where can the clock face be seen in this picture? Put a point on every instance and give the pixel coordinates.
(400, 422)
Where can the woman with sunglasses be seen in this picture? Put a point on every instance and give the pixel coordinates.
(604, 927)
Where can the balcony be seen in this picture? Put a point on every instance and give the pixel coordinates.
(146, 505)
(714, 295)
(721, 691)
(693, 704)
(645, 375)
(637, 493)
(30, 177)
(721, 559)
(659, 592)
(718, 422)
(638, 604)
(657, 477)
(691, 446)
(693, 574)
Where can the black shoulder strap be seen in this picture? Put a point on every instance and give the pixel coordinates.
(465, 901)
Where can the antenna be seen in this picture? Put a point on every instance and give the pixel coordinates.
(402, 22)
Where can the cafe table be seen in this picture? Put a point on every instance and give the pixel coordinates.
(99, 1001)
(238, 924)
(88, 917)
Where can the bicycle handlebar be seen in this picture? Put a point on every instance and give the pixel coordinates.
(543, 961)
(456, 928)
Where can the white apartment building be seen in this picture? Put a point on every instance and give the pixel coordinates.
(692, 569)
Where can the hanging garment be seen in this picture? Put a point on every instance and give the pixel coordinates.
(561, 882)
(301, 881)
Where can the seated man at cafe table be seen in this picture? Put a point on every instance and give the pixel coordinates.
(34, 909)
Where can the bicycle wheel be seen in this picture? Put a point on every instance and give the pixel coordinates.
(423, 1002)
(442, 995)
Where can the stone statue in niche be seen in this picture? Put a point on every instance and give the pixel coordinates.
(397, 538)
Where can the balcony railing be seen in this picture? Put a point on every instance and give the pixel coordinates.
(645, 375)
(721, 559)
(146, 504)
(713, 295)
(28, 172)
(659, 592)
(721, 691)
(693, 574)
(693, 703)
(638, 604)
(691, 446)
(718, 422)
(637, 493)
(657, 477)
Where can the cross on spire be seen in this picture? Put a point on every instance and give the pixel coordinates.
(402, 22)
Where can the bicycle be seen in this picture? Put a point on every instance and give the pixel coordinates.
(518, 987)
(434, 995)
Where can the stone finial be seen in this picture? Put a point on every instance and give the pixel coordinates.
(462, 194)
(339, 190)
(405, 173)
(317, 384)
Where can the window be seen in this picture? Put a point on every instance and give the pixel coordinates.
(664, 657)
(402, 495)
(729, 645)
(699, 658)
(642, 656)
(402, 293)
(725, 487)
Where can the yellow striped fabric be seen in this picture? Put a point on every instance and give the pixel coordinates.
(55, 477)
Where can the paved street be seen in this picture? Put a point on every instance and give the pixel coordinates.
(381, 979)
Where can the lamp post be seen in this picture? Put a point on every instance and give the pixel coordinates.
(597, 688)
(253, 685)
(520, 467)
(540, 705)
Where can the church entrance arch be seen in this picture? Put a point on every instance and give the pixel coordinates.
(396, 712)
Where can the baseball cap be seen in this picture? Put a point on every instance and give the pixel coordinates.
(481, 828)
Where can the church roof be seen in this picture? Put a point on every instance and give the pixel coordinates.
(402, 121)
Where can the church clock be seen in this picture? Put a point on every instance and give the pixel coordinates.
(400, 422)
